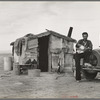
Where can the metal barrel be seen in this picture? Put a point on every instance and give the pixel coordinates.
(7, 63)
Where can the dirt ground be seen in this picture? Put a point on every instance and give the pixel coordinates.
(48, 85)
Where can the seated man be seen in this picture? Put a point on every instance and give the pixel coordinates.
(83, 50)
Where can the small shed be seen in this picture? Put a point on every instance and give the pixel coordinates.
(48, 49)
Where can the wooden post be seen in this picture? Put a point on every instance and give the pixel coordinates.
(49, 55)
(38, 57)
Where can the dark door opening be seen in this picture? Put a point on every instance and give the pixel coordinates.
(43, 53)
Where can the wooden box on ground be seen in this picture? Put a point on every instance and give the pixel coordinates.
(16, 69)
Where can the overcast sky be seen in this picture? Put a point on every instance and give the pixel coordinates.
(20, 18)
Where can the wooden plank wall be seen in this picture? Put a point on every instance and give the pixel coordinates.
(30, 53)
(61, 49)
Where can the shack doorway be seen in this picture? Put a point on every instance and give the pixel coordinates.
(43, 53)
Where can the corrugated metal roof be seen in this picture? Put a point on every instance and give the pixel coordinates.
(49, 32)
(63, 36)
(53, 33)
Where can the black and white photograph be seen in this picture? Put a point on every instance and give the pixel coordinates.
(50, 49)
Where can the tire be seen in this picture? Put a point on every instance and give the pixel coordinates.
(88, 75)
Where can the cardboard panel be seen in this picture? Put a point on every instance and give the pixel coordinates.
(55, 58)
(71, 47)
(68, 60)
(55, 42)
(32, 43)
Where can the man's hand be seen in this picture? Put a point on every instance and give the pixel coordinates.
(79, 45)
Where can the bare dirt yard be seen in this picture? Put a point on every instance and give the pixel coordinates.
(48, 85)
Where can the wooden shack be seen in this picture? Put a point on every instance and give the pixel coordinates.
(48, 49)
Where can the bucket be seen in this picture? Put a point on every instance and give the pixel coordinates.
(7, 63)
(16, 69)
(34, 72)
